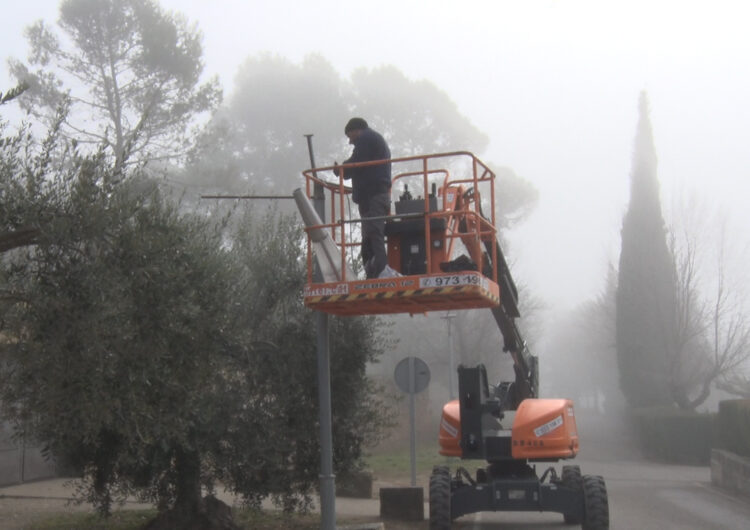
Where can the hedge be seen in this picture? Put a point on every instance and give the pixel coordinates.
(733, 426)
(675, 436)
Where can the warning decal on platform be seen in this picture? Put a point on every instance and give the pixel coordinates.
(327, 290)
(548, 427)
(316, 297)
(451, 280)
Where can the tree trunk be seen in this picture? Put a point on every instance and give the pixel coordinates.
(704, 393)
(188, 484)
(190, 510)
(17, 238)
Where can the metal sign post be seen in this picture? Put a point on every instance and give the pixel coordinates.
(412, 376)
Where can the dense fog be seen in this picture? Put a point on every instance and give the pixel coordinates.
(548, 94)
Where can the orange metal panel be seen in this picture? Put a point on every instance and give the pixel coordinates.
(450, 429)
(545, 429)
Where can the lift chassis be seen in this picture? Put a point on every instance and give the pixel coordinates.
(508, 482)
(581, 499)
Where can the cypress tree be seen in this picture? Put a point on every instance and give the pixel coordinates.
(645, 296)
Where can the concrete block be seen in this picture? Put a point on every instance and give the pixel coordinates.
(403, 504)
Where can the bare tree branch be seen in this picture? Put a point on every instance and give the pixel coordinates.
(711, 329)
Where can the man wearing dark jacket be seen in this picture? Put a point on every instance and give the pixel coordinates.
(371, 191)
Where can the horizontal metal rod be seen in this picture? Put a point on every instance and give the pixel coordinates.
(417, 215)
(247, 197)
(382, 217)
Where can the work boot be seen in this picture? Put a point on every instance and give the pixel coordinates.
(389, 272)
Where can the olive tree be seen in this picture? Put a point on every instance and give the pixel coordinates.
(157, 353)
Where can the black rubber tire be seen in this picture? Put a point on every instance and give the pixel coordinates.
(440, 498)
(572, 480)
(596, 511)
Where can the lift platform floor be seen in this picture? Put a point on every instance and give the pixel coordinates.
(404, 294)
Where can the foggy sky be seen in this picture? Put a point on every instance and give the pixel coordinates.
(554, 84)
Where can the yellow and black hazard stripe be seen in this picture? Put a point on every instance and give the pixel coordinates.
(384, 295)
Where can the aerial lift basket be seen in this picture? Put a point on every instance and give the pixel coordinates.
(438, 242)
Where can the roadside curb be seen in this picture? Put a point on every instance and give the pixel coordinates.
(731, 473)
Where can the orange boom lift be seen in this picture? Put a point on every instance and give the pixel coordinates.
(444, 244)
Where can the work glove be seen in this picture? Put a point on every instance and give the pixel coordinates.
(336, 169)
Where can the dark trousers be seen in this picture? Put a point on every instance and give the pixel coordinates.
(374, 257)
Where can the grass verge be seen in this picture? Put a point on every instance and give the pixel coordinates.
(396, 465)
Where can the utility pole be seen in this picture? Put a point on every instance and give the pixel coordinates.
(327, 478)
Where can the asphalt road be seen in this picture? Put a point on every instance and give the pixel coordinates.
(642, 495)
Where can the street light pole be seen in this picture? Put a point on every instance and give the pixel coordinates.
(327, 478)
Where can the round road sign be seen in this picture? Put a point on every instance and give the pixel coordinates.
(412, 375)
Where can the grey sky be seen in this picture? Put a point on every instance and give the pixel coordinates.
(554, 84)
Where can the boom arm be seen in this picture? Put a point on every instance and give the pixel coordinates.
(524, 364)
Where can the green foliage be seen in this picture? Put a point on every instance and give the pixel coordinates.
(258, 140)
(131, 73)
(154, 351)
(31, 184)
(281, 419)
(13, 93)
(645, 304)
(675, 436)
(733, 426)
(123, 325)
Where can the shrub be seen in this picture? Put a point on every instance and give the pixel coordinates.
(733, 426)
(675, 436)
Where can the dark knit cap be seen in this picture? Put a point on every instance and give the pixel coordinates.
(354, 124)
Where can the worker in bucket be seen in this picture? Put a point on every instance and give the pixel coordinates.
(371, 192)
